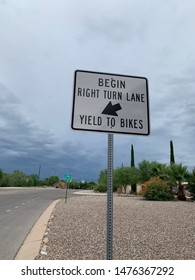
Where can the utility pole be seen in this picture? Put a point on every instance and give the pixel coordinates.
(39, 171)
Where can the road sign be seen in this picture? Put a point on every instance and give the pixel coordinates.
(110, 103)
(67, 177)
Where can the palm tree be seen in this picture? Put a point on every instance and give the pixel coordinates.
(148, 170)
(178, 174)
(144, 170)
(158, 169)
(191, 186)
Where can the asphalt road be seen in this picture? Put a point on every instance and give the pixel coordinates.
(19, 210)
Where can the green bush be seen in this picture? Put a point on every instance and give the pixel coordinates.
(191, 184)
(83, 185)
(4, 181)
(101, 188)
(17, 179)
(52, 180)
(73, 185)
(157, 189)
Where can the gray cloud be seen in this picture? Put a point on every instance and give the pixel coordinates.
(24, 146)
(41, 46)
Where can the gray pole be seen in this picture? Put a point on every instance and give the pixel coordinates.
(66, 193)
(39, 171)
(110, 198)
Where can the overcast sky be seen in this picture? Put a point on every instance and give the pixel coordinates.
(42, 43)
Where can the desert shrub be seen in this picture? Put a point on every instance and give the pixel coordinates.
(73, 185)
(157, 189)
(101, 188)
(17, 179)
(4, 181)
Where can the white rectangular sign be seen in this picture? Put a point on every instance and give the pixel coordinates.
(110, 103)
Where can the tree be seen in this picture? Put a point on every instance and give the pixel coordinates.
(2, 178)
(102, 180)
(176, 175)
(1, 174)
(73, 185)
(52, 180)
(132, 171)
(172, 157)
(134, 178)
(132, 157)
(148, 170)
(191, 186)
(144, 170)
(122, 177)
(17, 179)
(33, 180)
(158, 169)
(4, 181)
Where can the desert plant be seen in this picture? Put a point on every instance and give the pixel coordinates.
(4, 181)
(100, 188)
(191, 186)
(150, 169)
(121, 177)
(133, 172)
(102, 180)
(1, 174)
(132, 157)
(157, 189)
(144, 170)
(176, 174)
(17, 179)
(172, 157)
(134, 178)
(73, 185)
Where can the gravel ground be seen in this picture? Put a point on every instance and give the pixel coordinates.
(142, 230)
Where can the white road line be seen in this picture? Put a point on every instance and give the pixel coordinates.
(16, 206)
(8, 210)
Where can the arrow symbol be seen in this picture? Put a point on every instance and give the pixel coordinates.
(111, 109)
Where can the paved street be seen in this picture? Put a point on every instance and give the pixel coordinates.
(19, 210)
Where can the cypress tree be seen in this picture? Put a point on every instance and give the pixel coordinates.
(133, 186)
(132, 157)
(172, 158)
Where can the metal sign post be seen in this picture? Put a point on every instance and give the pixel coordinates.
(68, 178)
(66, 193)
(110, 198)
(111, 103)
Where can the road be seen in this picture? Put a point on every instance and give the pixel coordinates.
(19, 210)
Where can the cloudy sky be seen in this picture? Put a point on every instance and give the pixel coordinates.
(42, 43)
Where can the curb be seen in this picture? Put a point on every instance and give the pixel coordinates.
(90, 193)
(31, 245)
